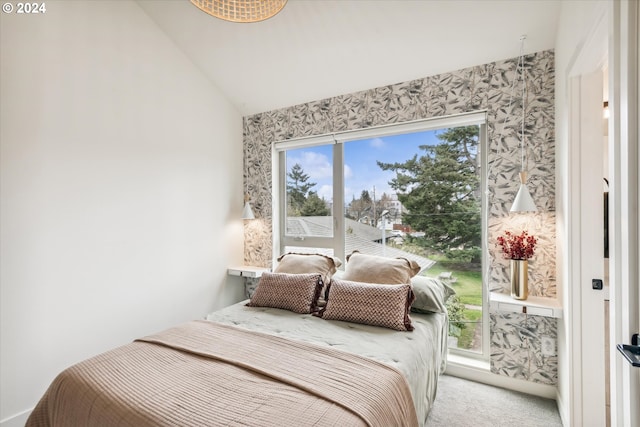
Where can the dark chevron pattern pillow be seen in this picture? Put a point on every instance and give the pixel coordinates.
(371, 304)
(294, 292)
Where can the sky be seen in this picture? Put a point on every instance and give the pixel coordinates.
(360, 170)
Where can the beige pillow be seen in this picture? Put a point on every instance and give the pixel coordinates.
(294, 263)
(294, 292)
(377, 269)
(370, 304)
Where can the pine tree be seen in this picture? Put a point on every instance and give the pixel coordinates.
(441, 192)
(314, 206)
(298, 189)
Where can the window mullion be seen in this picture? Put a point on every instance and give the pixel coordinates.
(338, 201)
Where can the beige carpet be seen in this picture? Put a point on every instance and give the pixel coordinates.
(463, 403)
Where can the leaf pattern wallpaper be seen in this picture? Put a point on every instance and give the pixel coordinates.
(483, 87)
(516, 347)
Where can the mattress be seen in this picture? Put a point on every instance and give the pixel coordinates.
(419, 355)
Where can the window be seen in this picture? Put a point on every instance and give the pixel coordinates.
(412, 190)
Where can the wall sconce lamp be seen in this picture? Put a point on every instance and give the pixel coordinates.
(247, 212)
(523, 201)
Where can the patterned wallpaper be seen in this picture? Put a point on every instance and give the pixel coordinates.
(483, 87)
(516, 347)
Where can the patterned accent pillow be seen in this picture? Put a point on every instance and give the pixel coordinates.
(376, 269)
(371, 304)
(431, 295)
(294, 292)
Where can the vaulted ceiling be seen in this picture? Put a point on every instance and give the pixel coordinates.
(315, 49)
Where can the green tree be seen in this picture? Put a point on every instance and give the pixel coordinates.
(297, 189)
(314, 206)
(441, 191)
(455, 310)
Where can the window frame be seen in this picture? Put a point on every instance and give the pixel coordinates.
(337, 242)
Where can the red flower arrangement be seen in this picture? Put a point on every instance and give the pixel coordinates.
(517, 246)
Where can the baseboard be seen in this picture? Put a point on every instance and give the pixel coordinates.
(479, 372)
(18, 420)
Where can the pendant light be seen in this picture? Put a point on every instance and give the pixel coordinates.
(523, 201)
(240, 10)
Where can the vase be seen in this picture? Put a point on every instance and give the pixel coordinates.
(519, 279)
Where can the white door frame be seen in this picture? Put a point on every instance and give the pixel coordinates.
(586, 229)
(624, 194)
(620, 22)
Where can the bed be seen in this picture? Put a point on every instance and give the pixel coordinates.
(251, 364)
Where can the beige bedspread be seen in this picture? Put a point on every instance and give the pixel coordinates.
(209, 374)
(420, 355)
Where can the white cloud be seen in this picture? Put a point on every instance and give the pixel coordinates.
(316, 165)
(326, 192)
(358, 177)
(348, 172)
(377, 143)
(348, 194)
(367, 182)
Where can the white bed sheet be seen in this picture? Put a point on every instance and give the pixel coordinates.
(420, 355)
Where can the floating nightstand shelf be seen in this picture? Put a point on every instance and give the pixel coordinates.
(535, 306)
(247, 271)
(250, 275)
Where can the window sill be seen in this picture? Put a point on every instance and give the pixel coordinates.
(480, 371)
(461, 361)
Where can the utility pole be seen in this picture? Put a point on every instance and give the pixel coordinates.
(375, 218)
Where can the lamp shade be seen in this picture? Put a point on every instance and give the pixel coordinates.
(240, 10)
(523, 201)
(247, 212)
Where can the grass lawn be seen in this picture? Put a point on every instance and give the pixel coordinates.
(468, 287)
(468, 284)
(466, 337)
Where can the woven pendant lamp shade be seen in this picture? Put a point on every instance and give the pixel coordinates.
(241, 10)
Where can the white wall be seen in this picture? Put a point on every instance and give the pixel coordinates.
(121, 190)
(577, 18)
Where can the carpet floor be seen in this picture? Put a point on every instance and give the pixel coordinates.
(463, 403)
